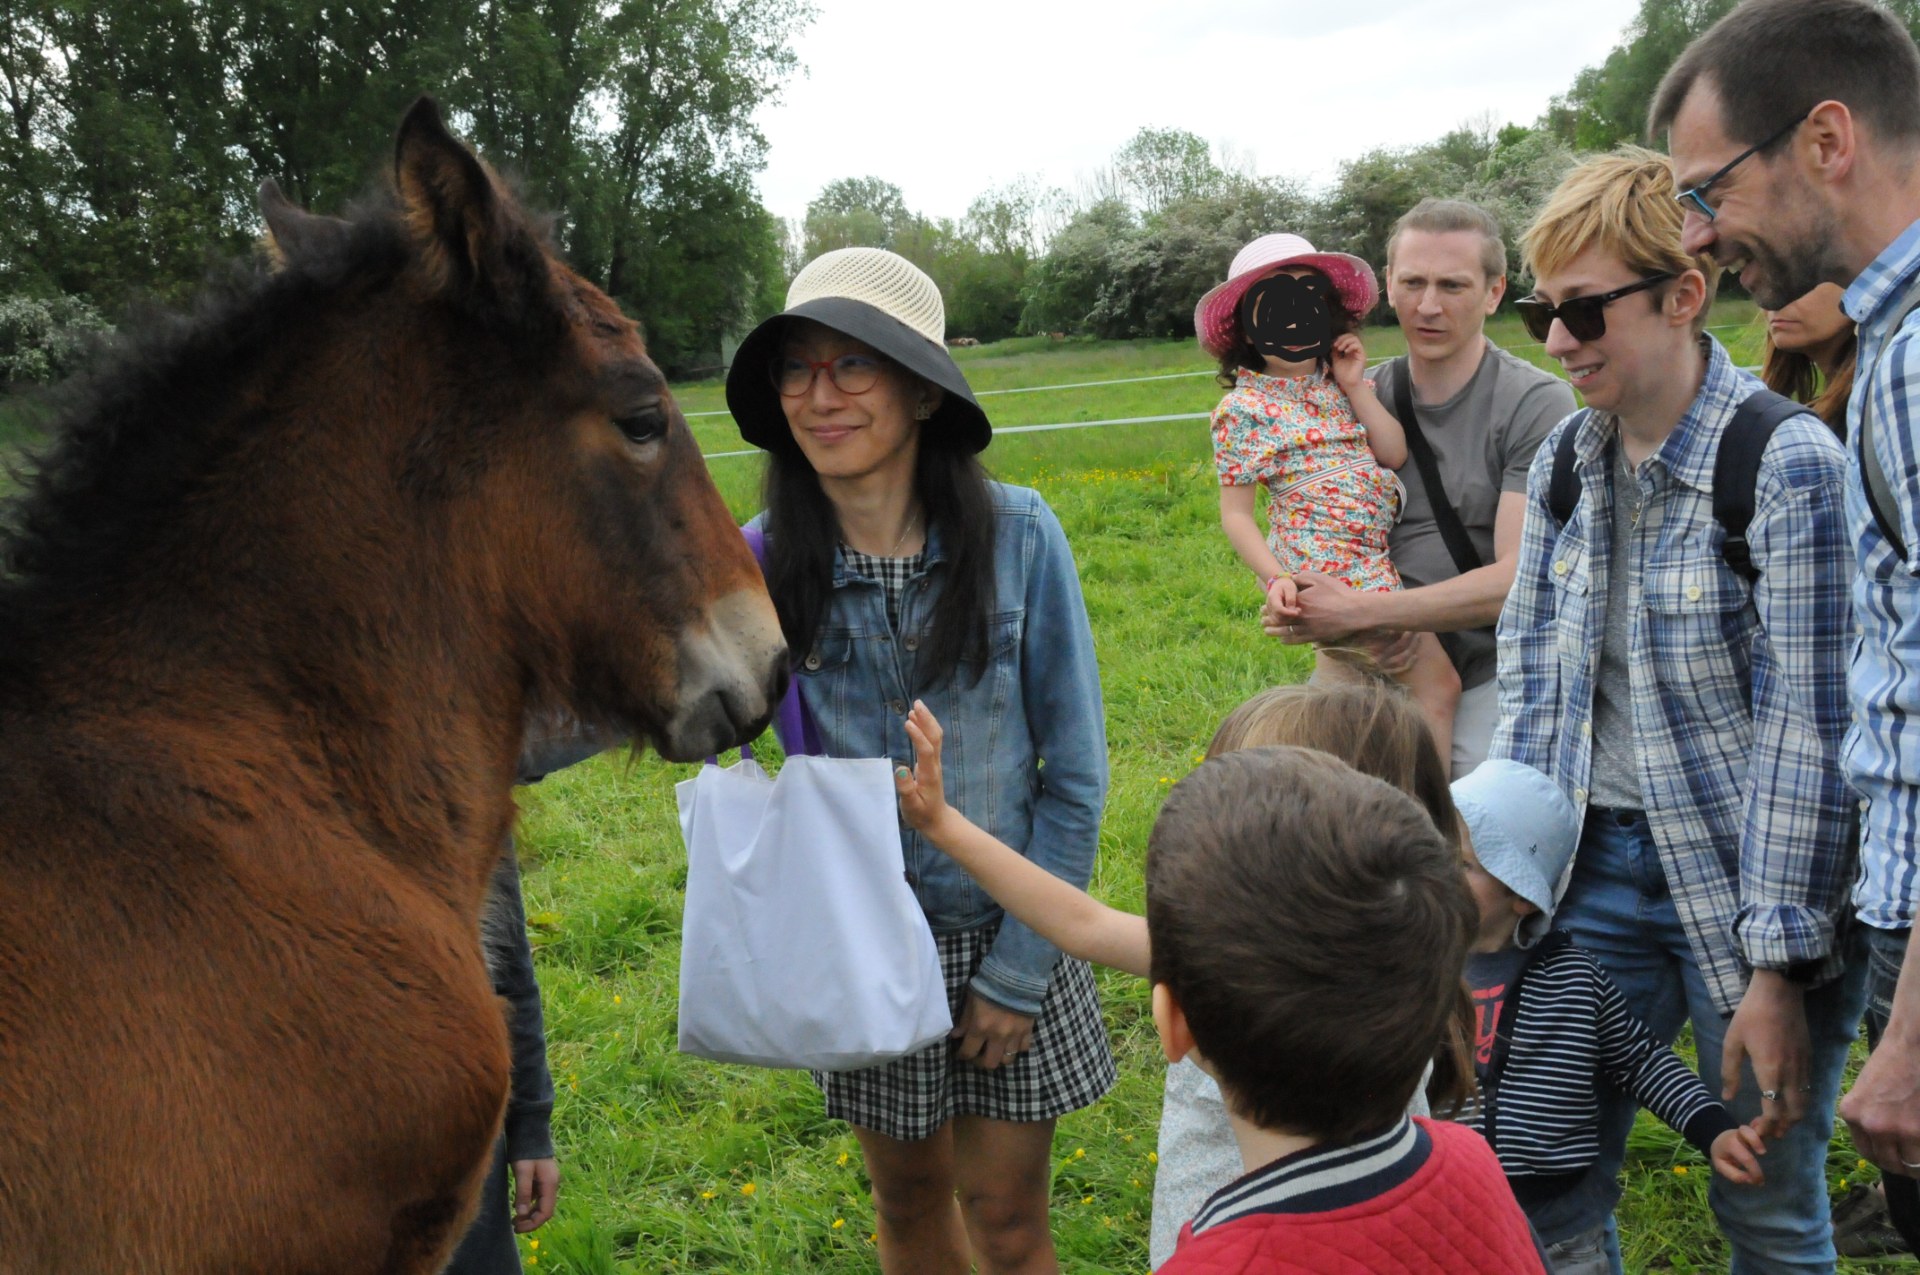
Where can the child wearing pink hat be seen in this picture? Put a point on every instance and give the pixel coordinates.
(1300, 418)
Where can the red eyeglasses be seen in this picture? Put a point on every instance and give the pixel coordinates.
(850, 374)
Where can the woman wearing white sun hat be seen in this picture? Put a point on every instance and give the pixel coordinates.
(901, 572)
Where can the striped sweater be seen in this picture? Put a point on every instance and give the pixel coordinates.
(1562, 1032)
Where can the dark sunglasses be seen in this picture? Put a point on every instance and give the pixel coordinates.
(1585, 317)
(1694, 198)
(850, 374)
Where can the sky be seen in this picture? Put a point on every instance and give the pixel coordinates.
(948, 100)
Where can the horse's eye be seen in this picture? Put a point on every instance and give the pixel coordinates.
(643, 426)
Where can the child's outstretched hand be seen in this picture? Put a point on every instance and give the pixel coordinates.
(1349, 362)
(923, 798)
(1735, 1155)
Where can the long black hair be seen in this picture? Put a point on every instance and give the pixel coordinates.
(803, 531)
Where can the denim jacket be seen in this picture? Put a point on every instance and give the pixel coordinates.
(1025, 753)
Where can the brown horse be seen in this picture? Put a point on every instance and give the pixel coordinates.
(275, 606)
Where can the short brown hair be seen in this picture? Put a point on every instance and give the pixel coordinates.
(1446, 216)
(1312, 924)
(1623, 202)
(1371, 724)
(1771, 60)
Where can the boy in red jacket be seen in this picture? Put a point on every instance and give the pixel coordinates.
(1308, 928)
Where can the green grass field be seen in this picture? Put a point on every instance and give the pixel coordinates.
(672, 1163)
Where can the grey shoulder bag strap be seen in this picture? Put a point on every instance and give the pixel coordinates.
(1879, 490)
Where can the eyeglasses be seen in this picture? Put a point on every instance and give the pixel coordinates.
(850, 374)
(1695, 197)
(1585, 317)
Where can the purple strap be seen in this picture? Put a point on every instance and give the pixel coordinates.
(793, 725)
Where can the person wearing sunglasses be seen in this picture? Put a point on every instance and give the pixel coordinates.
(1692, 714)
(901, 573)
(1838, 201)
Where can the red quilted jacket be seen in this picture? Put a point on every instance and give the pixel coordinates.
(1454, 1216)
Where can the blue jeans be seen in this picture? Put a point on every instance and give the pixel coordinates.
(1617, 907)
(1886, 950)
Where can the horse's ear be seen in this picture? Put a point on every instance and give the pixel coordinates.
(470, 230)
(292, 231)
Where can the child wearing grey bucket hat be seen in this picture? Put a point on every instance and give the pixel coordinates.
(1552, 1028)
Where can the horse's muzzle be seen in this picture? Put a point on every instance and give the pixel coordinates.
(732, 675)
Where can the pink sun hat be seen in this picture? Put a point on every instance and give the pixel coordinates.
(1216, 318)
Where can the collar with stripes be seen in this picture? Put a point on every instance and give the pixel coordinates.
(1320, 1179)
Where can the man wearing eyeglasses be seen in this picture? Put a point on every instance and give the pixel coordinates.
(1690, 708)
(1796, 123)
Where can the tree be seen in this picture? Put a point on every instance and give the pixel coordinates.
(137, 133)
(1063, 289)
(1163, 166)
(1514, 183)
(856, 212)
(1372, 192)
(1607, 104)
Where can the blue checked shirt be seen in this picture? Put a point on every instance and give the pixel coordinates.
(1738, 692)
(1883, 749)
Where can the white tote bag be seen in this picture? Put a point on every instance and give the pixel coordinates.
(803, 945)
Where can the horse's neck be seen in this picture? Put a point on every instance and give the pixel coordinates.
(400, 726)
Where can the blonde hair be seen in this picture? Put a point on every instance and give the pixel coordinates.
(1623, 203)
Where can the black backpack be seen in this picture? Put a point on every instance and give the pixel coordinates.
(1736, 471)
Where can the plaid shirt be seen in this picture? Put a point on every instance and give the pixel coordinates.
(1883, 750)
(1738, 692)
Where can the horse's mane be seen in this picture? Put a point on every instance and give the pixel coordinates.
(130, 437)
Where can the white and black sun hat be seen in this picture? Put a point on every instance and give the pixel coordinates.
(876, 297)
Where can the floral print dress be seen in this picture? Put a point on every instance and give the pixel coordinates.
(1330, 504)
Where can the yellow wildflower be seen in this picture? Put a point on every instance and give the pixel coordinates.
(839, 1222)
(708, 1195)
(1079, 1153)
(842, 1161)
(1086, 1199)
(1680, 1169)
(1153, 1157)
(748, 1188)
(616, 998)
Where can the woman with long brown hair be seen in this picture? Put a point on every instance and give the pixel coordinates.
(1809, 354)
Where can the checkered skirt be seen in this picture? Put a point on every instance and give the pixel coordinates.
(1068, 1067)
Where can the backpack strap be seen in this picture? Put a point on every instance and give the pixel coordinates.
(1563, 485)
(1736, 472)
(1879, 491)
(1453, 532)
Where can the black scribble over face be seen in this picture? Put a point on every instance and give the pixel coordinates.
(1288, 318)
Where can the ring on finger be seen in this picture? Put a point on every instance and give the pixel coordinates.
(1914, 1167)
(1770, 1095)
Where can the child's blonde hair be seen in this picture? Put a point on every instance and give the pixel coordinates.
(1371, 724)
(1622, 202)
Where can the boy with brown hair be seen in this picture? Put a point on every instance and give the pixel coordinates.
(1308, 925)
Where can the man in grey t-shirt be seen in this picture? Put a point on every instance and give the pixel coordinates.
(1485, 413)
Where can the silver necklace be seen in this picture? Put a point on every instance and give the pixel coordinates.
(1630, 483)
(895, 551)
